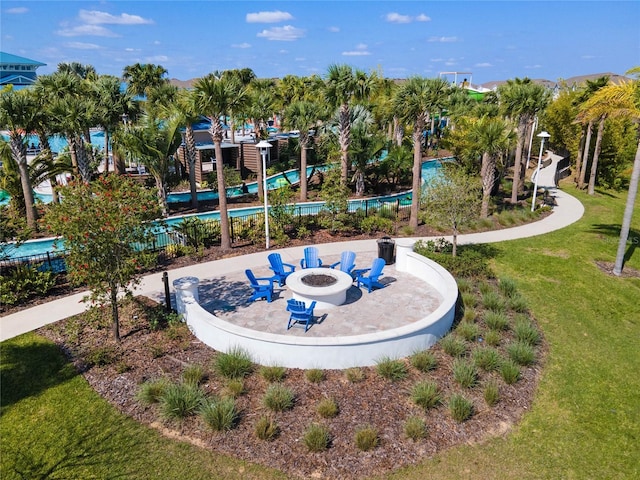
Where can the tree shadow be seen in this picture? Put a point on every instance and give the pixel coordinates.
(611, 232)
(30, 365)
(222, 295)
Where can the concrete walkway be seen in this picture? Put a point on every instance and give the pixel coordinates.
(566, 211)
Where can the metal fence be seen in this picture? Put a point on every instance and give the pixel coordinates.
(195, 232)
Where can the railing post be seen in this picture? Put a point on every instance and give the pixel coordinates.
(233, 240)
(49, 262)
(167, 293)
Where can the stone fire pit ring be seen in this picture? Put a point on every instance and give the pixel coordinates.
(327, 296)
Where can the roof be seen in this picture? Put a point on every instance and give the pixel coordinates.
(9, 58)
(16, 80)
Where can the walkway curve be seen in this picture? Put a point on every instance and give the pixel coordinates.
(567, 210)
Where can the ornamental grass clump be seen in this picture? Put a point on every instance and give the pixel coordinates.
(392, 369)
(469, 300)
(273, 373)
(219, 415)
(314, 375)
(507, 287)
(234, 387)
(426, 395)
(491, 392)
(465, 373)
(151, 392)
(493, 338)
(366, 438)
(327, 408)
(237, 363)
(423, 361)
(415, 428)
(493, 301)
(469, 331)
(522, 353)
(518, 303)
(464, 285)
(496, 321)
(278, 398)
(525, 331)
(317, 438)
(510, 372)
(469, 315)
(487, 358)
(266, 428)
(460, 407)
(453, 345)
(355, 374)
(180, 400)
(193, 374)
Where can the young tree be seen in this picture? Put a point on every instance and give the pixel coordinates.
(103, 223)
(452, 199)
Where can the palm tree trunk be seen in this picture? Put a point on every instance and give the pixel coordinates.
(417, 168)
(517, 163)
(162, 194)
(585, 158)
(580, 153)
(303, 171)
(359, 177)
(191, 153)
(628, 214)
(398, 131)
(596, 154)
(106, 150)
(84, 168)
(19, 152)
(216, 134)
(344, 138)
(487, 172)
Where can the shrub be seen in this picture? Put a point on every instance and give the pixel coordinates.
(152, 391)
(493, 301)
(510, 372)
(487, 358)
(469, 331)
(423, 361)
(366, 438)
(278, 398)
(314, 375)
(525, 331)
(193, 374)
(426, 395)
(467, 264)
(355, 374)
(453, 346)
(491, 392)
(465, 373)
(327, 408)
(317, 438)
(496, 321)
(219, 415)
(461, 408)
(234, 387)
(237, 363)
(266, 428)
(180, 400)
(493, 338)
(24, 282)
(508, 287)
(102, 356)
(273, 373)
(375, 223)
(522, 353)
(415, 428)
(392, 369)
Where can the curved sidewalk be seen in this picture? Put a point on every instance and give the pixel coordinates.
(566, 211)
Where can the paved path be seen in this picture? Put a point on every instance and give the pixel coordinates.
(566, 211)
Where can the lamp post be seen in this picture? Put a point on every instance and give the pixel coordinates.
(542, 136)
(263, 147)
(533, 129)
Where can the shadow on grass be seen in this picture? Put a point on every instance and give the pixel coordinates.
(28, 366)
(612, 234)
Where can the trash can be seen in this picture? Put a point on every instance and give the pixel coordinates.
(386, 247)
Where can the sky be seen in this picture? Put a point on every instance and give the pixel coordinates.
(494, 40)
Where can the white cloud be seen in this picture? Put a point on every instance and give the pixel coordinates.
(436, 59)
(268, 17)
(443, 39)
(361, 50)
(423, 18)
(588, 57)
(241, 45)
(483, 64)
(299, 59)
(82, 45)
(129, 49)
(333, 29)
(283, 51)
(533, 66)
(95, 17)
(16, 10)
(90, 30)
(157, 58)
(287, 33)
(394, 17)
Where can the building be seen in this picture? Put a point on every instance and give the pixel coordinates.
(17, 71)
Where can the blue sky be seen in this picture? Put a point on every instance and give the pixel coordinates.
(494, 40)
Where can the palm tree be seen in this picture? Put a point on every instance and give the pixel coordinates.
(413, 102)
(215, 96)
(260, 107)
(143, 77)
(303, 116)
(365, 145)
(521, 100)
(186, 108)
(17, 110)
(492, 137)
(345, 86)
(75, 68)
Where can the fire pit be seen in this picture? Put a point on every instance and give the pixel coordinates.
(327, 287)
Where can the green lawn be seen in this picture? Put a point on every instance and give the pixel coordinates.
(584, 423)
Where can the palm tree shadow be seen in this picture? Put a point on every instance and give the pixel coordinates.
(222, 295)
(611, 232)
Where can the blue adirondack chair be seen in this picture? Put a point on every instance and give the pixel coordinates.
(280, 269)
(311, 258)
(262, 287)
(347, 262)
(300, 313)
(369, 276)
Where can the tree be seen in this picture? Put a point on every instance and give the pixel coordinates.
(17, 110)
(215, 96)
(143, 77)
(452, 199)
(345, 86)
(103, 224)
